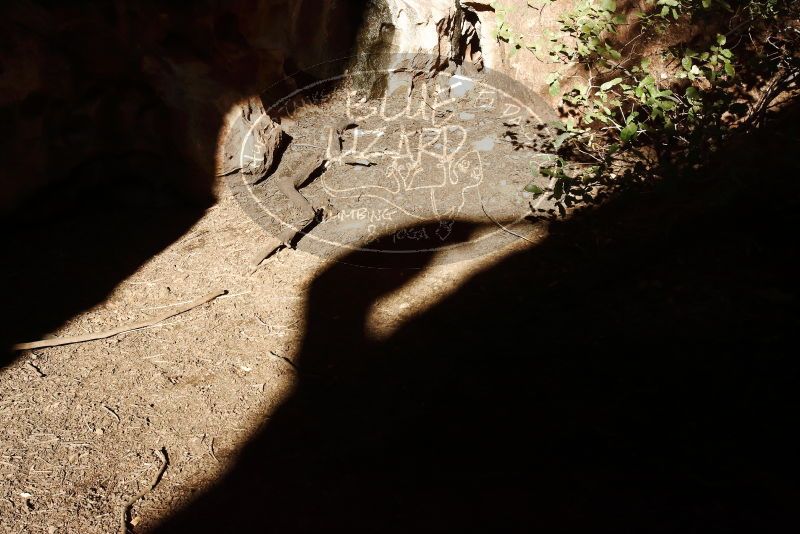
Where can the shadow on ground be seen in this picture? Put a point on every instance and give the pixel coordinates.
(635, 372)
(109, 116)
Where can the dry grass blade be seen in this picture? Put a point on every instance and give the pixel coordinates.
(495, 221)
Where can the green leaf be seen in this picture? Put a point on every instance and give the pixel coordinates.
(555, 88)
(686, 63)
(533, 188)
(729, 70)
(560, 140)
(609, 5)
(627, 133)
(609, 84)
(721, 39)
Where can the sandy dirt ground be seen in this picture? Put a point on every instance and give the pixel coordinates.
(81, 422)
(659, 390)
(81, 425)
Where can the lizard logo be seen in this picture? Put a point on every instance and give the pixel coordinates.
(331, 167)
(423, 184)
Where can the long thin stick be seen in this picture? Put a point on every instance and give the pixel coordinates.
(503, 227)
(123, 524)
(55, 342)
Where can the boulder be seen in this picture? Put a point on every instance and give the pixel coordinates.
(249, 141)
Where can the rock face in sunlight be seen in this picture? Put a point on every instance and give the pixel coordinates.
(421, 39)
(533, 24)
(423, 30)
(457, 37)
(431, 36)
(460, 36)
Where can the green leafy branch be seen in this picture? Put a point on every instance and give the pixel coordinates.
(625, 111)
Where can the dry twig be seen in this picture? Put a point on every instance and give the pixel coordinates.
(36, 368)
(112, 412)
(284, 359)
(123, 521)
(55, 342)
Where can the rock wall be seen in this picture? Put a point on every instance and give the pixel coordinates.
(105, 92)
(436, 35)
(522, 66)
(127, 90)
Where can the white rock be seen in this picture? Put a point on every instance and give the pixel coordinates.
(484, 145)
(460, 85)
(419, 28)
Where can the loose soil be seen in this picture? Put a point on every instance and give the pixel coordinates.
(80, 423)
